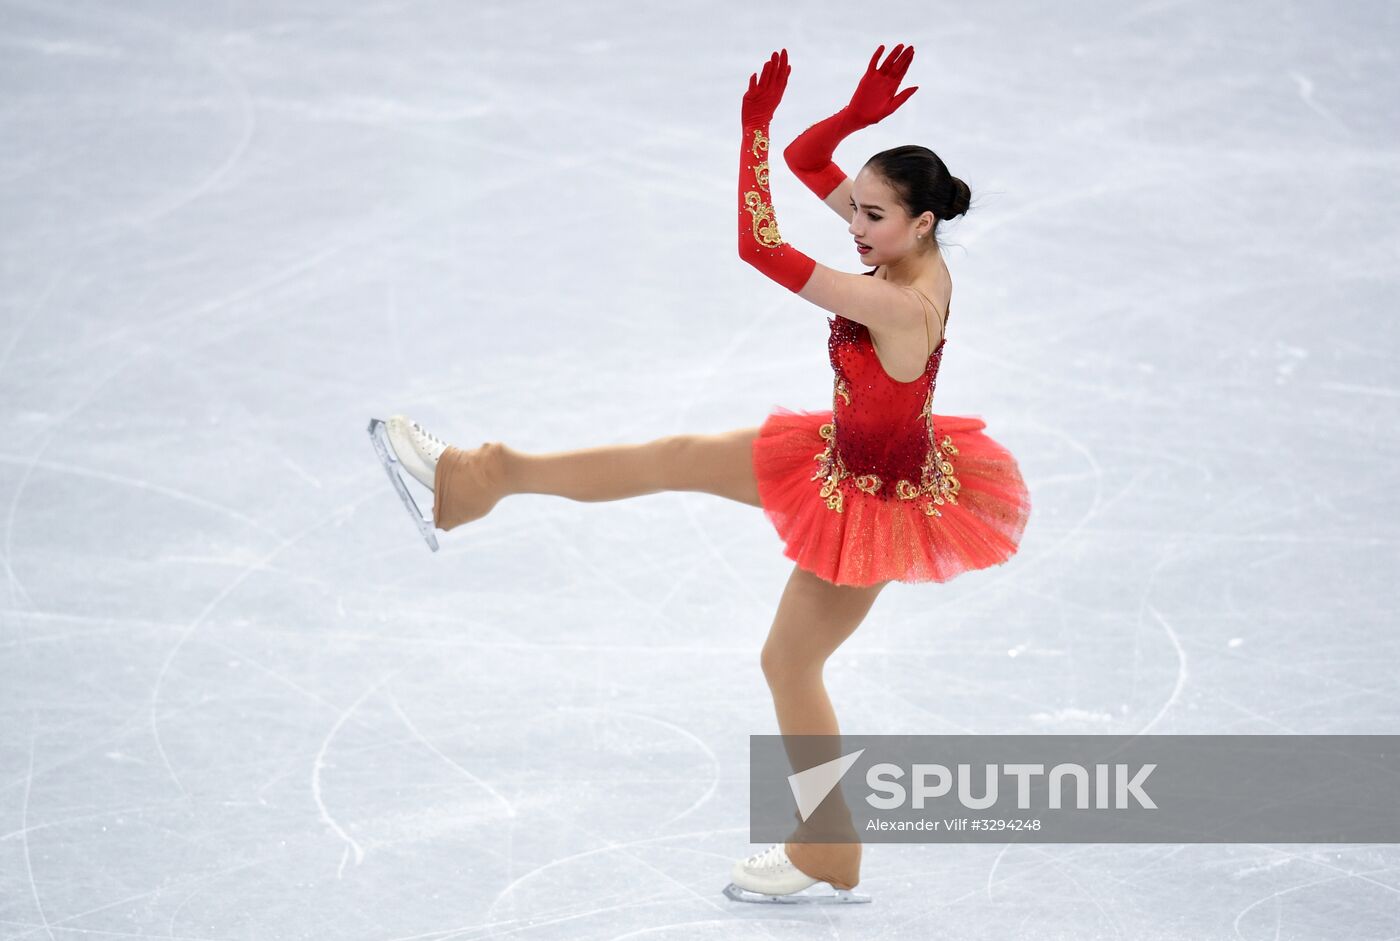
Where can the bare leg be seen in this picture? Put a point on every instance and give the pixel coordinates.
(814, 617)
(469, 483)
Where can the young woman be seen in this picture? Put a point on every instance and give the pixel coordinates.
(876, 489)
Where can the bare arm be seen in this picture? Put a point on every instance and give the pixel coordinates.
(883, 307)
(839, 199)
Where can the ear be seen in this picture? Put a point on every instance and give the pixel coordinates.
(927, 214)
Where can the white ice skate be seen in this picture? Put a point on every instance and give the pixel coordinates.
(770, 876)
(404, 445)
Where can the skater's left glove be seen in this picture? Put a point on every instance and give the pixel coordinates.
(809, 157)
(759, 242)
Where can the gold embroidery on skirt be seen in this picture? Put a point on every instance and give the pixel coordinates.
(870, 483)
(938, 477)
(831, 467)
(938, 480)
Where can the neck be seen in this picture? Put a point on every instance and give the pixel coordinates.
(911, 267)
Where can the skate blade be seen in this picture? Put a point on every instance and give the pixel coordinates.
(835, 897)
(379, 437)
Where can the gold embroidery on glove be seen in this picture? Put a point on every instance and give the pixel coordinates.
(760, 142)
(765, 225)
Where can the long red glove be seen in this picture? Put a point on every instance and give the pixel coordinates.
(809, 156)
(759, 242)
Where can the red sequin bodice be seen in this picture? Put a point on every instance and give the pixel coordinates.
(881, 439)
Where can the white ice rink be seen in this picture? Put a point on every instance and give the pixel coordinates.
(241, 699)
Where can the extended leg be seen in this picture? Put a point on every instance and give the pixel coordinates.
(468, 483)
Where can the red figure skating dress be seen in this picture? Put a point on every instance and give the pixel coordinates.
(879, 487)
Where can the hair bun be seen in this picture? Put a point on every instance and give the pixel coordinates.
(958, 202)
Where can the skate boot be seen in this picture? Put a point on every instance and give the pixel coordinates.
(417, 450)
(770, 876)
(404, 445)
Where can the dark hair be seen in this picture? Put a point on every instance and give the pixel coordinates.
(922, 182)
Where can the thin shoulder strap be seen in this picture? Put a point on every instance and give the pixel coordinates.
(942, 321)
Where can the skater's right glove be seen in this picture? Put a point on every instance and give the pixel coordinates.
(809, 156)
(760, 243)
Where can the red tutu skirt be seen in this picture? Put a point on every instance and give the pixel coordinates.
(873, 540)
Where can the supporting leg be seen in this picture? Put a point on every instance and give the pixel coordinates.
(814, 617)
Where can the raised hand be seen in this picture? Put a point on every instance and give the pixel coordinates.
(760, 243)
(875, 98)
(765, 91)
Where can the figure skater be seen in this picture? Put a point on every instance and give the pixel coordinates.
(876, 489)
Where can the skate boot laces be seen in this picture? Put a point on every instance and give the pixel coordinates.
(426, 441)
(773, 858)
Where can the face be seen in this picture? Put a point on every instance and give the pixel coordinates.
(882, 223)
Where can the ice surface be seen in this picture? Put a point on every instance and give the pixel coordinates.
(240, 698)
